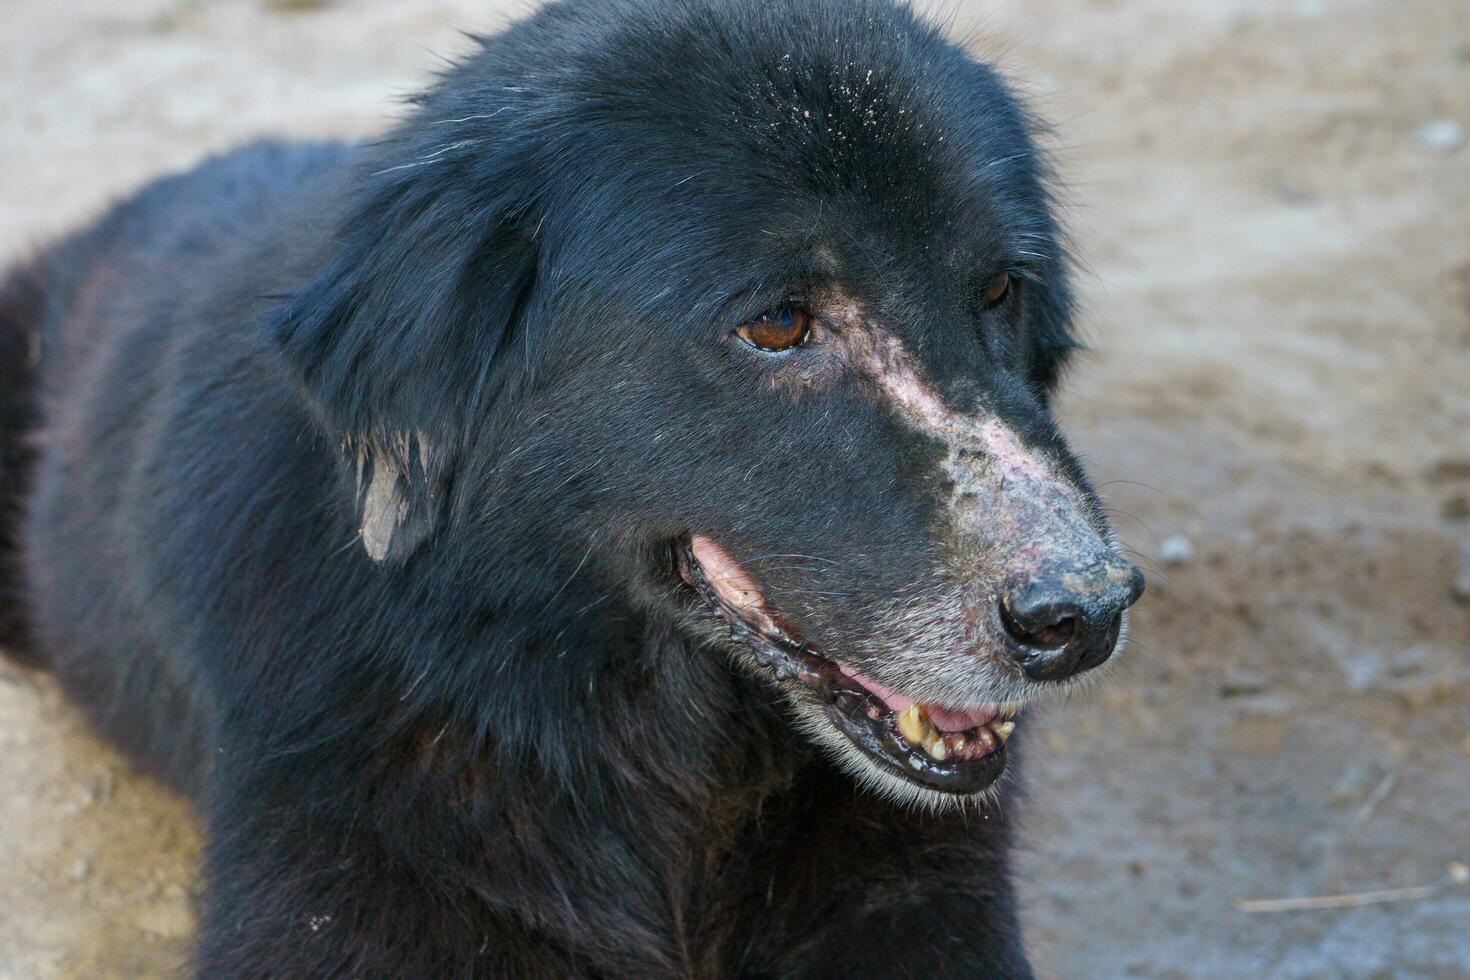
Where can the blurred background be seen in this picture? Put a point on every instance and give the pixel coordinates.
(1272, 198)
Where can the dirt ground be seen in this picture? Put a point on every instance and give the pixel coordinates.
(1273, 199)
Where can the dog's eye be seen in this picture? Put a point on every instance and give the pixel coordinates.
(996, 291)
(783, 328)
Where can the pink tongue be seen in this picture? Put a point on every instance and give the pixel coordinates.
(944, 719)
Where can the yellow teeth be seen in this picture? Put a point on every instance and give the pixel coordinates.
(914, 725)
(1008, 709)
(916, 728)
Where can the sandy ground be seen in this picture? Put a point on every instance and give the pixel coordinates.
(1273, 197)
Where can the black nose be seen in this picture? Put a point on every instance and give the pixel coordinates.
(1066, 623)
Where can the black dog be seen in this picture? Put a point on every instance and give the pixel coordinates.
(605, 529)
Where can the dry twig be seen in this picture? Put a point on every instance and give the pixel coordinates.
(1348, 901)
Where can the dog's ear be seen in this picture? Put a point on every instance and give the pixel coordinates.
(396, 339)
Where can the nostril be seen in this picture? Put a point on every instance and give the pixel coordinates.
(1065, 623)
(1055, 636)
(1102, 646)
(1048, 626)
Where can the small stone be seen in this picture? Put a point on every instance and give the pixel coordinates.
(1458, 871)
(1455, 507)
(1176, 549)
(80, 869)
(1440, 136)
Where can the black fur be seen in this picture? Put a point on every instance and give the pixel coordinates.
(508, 749)
(21, 300)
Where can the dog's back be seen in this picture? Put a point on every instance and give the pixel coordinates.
(101, 329)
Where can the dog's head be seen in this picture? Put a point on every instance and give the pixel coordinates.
(754, 309)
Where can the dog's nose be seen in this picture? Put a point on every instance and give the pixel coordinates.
(1063, 624)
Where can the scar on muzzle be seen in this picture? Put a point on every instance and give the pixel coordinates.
(1016, 527)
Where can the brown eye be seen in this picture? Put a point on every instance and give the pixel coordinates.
(783, 328)
(997, 290)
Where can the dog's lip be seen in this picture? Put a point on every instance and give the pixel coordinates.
(945, 719)
(959, 751)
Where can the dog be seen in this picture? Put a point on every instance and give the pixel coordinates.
(609, 527)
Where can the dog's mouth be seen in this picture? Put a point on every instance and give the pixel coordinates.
(951, 750)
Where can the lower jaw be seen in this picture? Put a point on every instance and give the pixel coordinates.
(972, 760)
(905, 746)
